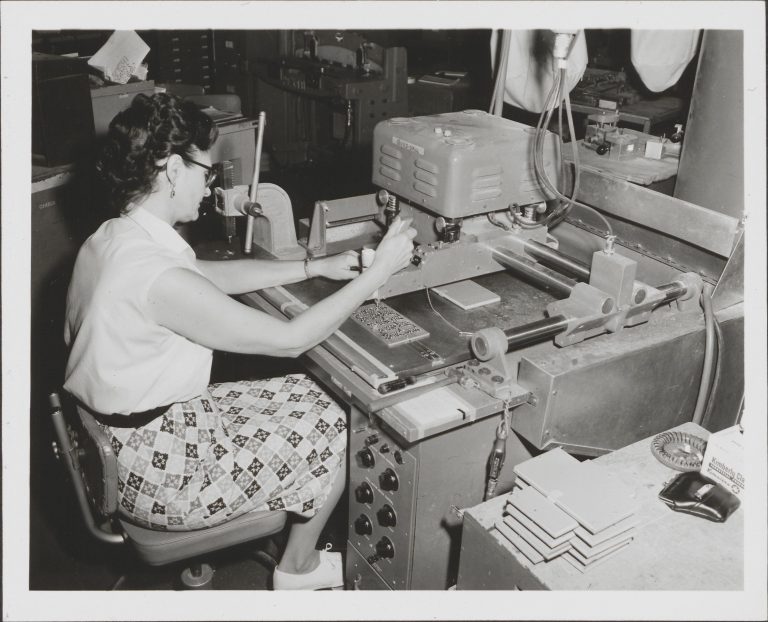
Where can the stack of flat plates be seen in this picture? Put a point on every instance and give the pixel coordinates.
(561, 506)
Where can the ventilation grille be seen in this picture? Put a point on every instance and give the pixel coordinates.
(390, 164)
(486, 184)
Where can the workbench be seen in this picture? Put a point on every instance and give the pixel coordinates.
(638, 170)
(671, 550)
(646, 112)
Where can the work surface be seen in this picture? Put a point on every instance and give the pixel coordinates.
(638, 170)
(520, 303)
(671, 550)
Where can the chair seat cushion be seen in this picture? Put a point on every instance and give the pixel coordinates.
(164, 547)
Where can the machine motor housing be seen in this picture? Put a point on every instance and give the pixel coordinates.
(460, 164)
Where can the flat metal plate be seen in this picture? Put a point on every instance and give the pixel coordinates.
(384, 322)
(521, 302)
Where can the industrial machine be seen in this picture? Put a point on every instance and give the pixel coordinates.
(327, 91)
(597, 340)
(527, 320)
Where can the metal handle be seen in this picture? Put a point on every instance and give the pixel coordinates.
(247, 248)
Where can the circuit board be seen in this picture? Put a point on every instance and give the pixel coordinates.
(390, 326)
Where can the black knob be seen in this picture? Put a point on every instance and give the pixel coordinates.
(387, 516)
(366, 458)
(384, 449)
(371, 440)
(398, 457)
(384, 548)
(363, 525)
(364, 493)
(602, 149)
(388, 480)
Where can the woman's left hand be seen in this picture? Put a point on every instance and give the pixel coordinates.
(340, 267)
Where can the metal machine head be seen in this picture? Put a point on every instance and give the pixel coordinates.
(460, 164)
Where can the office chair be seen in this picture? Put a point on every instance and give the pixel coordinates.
(92, 467)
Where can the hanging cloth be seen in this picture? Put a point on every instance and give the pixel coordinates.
(661, 56)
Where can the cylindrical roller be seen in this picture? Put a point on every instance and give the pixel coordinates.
(673, 291)
(558, 259)
(489, 342)
(562, 284)
(492, 341)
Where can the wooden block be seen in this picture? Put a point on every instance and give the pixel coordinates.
(543, 512)
(541, 548)
(585, 490)
(607, 533)
(467, 294)
(537, 530)
(591, 551)
(602, 499)
(609, 551)
(520, 544)
(551, 473)
(574, 561)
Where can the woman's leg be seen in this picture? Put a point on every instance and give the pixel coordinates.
(300, 555)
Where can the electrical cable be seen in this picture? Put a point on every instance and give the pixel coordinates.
(497, 97)
(718, 370)
(504, 62)
(740, 410)
(440, 315)
(560, 93)
(709, 348)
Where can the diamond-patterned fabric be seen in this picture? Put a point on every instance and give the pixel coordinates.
(245, 446)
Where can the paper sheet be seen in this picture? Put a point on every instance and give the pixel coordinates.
(120, 57)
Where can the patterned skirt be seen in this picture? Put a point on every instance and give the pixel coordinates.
(274, 444)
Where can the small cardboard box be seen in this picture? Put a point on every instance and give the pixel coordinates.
(724, 459)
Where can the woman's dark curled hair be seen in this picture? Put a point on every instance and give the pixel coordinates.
(150, 129)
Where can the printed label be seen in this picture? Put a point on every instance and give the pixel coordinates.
(404, 144)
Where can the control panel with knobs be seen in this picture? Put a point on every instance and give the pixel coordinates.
(366, 458)
(381, 492)
(363, 525)
(388, 480)
(364, 493)
(387, 516)
(384, 550)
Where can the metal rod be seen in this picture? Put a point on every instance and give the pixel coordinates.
(672, 291)
(255, 183)
(558, 259)
(562, 284)
(534, 332)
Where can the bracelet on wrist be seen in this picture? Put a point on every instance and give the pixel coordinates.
(306, 267)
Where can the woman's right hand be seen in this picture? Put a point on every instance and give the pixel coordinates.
(395, 250)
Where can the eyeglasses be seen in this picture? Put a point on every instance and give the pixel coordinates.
(210, 172)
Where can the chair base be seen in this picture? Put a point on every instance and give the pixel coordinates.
(198, 577)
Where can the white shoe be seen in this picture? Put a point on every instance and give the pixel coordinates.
(328, 574)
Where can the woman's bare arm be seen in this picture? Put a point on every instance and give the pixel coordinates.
(194, 307)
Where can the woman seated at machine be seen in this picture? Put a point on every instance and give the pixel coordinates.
(143, 316)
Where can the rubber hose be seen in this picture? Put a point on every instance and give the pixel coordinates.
(718, 373)
(709, 351)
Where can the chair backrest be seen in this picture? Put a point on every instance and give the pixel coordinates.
(98, 465)
(87, 452)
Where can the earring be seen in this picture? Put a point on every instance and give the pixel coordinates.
(173, 191)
